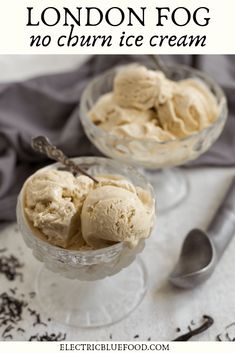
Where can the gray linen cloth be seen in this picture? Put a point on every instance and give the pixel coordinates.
(50, 105)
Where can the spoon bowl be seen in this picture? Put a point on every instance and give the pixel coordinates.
(202, 250)
(196, 262)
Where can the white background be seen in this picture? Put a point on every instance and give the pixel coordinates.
(14, 34)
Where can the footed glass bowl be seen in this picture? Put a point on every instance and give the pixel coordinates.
(170, 184)
(92, 298)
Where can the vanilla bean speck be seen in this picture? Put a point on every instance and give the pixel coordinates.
(208, 322)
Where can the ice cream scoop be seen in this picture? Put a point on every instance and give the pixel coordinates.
(202, 250)
(191, 108)
(73, 211)
(53, 201)
(127, 122)
(146, 105)
(114, 214)
(108, 113)
(136, 87)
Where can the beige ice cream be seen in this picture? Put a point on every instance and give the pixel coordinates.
(124, 122)
(142, 131)
(77, 213)
(112, 213)
(53, 203)
(145, 105)
(191, 109)
(136, 87)
(108, 113)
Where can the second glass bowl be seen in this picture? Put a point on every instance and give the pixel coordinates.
(151, 155)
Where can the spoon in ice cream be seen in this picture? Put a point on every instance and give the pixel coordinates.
(43, 145)
(202, 250)
(159, 63)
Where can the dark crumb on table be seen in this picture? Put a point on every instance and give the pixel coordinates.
(11, 309)
(110, 336)
(32, 294)
(49, 319)
(228, 337)
(136, 336)
(12, 313)
(48, 337)
(13, 290)
(37, 317)
(192, 322)
(10, 337)
(8, 329)
(149, 339)
(178, 329)
(20, 329)
(9, 266)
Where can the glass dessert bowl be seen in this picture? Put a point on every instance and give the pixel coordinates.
(157, 157)
(86, 287)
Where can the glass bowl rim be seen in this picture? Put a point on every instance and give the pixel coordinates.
(85, 120)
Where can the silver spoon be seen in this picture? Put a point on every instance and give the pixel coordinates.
(202, 250)
(43, 145)
(159, 63)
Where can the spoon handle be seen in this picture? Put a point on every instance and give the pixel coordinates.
(43, 145)
(222, 227)
(159, 63)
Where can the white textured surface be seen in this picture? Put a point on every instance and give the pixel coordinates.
(164, 308)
